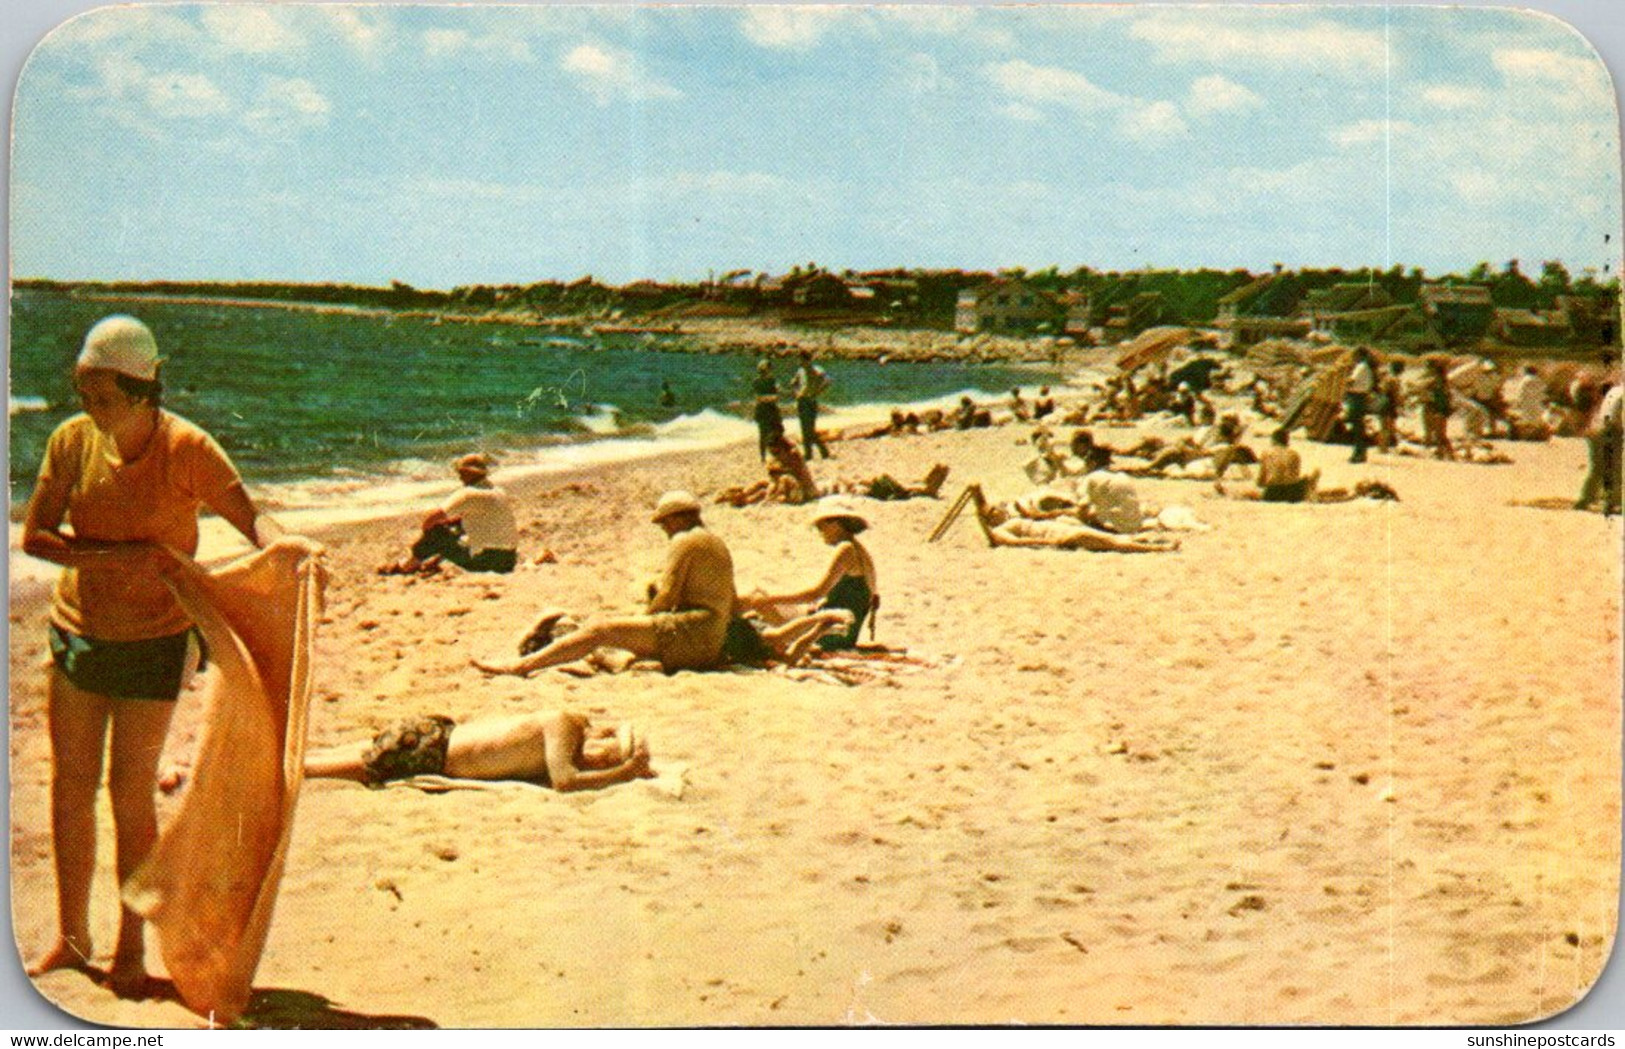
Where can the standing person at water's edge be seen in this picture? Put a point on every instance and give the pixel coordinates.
(769, 423)
(810, 383)
(127, 478)
(1362, 385)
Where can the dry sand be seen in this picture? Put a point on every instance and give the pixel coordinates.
(1350, 764)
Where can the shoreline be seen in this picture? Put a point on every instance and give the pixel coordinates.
(761, 336)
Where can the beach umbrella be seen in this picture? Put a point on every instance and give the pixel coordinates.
(1153, 344)
(1318, 404)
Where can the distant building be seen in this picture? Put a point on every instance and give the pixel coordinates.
(1323, 306)
(1079, 319)
(1272, 295)
(1402, 325)
(1531, 327)
(1007, 307)
(1126, 319)
(1593, 321)
(821, 289)
(1457, 312)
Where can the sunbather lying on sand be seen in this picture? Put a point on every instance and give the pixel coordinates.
(1004, 527)
(748, 641)
(563, 750)
(777, 487)
(888, 488)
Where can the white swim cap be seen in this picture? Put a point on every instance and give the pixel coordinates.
(121, 344)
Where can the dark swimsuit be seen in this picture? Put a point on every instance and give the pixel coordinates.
(415, 747)
(851, 593)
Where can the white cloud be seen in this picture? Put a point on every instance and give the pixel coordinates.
(1217, 94)
(1153, 122)
(923, 75)
(135, 92)
(1454, 96)
(184, 95)
(1260, 37)
(607, 73)
(250, 30)
(1020, 111)
(364, 32)
(125, 24)
(287, 101)
(1365, 132)
(791, 28)
(445, 43)
(1570, 80)
(1031, 87)
(1047, 84)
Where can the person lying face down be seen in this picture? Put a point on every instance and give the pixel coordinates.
(563, 750)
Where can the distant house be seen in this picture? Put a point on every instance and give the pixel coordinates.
(1007, 306)
(821, 289)
(1272, 295)
(1323, 306)
(1246, 331)
(1126, 319)
(1402, 325)
(1458, 312)
(1531, 327)
(1592, 321)
(1079, 319)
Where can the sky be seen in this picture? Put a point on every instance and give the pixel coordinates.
(445, 146)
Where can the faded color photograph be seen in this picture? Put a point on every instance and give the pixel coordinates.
(814, 516)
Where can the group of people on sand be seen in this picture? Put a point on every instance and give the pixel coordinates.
(117, 500)
(695, 619)
(116, 505)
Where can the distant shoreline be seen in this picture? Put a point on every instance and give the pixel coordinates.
(707, 335)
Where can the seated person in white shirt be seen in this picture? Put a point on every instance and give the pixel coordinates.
(1113, 503)
(474, 529)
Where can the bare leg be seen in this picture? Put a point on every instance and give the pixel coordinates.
(792, 640)
(139, 728)
(343, 762)
(635, 634)
(78, 727)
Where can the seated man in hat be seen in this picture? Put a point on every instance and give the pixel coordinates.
(474, 529)
(564, 750)
(688, 612)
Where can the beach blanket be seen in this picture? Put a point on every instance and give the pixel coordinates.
(210, 883)
(671, 779)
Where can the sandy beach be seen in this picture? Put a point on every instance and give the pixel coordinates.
(1346, 764)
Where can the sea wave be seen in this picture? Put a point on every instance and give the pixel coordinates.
(17, 405)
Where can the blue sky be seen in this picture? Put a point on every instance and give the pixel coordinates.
(445, 146)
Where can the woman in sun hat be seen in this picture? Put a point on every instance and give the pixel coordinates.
(117, 497)
(849, 583)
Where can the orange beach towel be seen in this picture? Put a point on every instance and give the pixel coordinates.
(210, 883)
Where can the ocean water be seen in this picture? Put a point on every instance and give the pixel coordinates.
(323, 410)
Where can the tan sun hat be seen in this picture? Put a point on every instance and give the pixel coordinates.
(474, 462)
(834, 508)
(675, 503)
(122, 344)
